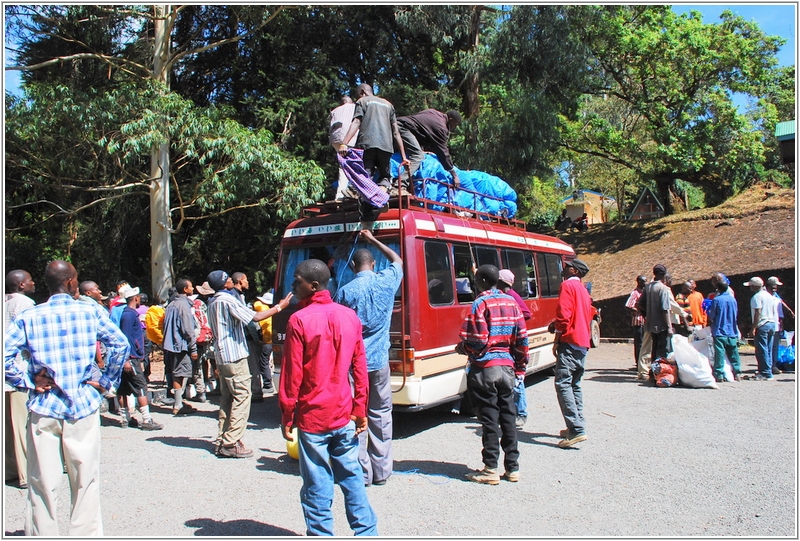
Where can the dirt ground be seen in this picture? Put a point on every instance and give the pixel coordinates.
(751, 235)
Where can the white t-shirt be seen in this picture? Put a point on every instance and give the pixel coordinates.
(768, 305)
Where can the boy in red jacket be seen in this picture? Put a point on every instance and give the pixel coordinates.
(573, 320)
(323, 347)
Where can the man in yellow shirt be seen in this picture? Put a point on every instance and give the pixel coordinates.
(264, 302)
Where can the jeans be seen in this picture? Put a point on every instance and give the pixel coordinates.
(520, 399)
(765, 335)
(570, 364)
(776, 344)
(726, 345)
(492, 391)
(331, 458)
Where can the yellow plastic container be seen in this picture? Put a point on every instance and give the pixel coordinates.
(293, 446)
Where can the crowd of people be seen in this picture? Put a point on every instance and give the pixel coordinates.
(657, 314)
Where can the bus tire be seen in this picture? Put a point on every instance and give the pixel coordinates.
(595, 333)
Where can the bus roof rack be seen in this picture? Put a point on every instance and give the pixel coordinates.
(430, 205)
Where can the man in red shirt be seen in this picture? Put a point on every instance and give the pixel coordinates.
(572, 324)
(323, 347)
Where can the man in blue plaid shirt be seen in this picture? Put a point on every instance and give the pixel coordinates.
(66, 389)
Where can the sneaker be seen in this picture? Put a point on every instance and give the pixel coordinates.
(521, 421)
(737, 377)
(151, 425)
(570, 441)
(201, 398)
(511, 476)
(485, 476)
(776, 371)
(761, 377)
(268, 391)
(123, 423)
(236, 451)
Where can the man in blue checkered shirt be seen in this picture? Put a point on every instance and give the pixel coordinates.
(66, 389)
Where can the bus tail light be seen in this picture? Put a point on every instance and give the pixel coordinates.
(396, 363)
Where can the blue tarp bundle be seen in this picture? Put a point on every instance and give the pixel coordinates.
(476, 181)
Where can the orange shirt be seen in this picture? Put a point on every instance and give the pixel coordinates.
(695, 299)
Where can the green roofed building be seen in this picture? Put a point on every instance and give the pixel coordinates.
(784, 132)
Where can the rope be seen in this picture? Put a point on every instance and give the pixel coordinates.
(416, 471)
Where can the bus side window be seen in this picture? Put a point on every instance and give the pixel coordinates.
(530, 272)
(462, 260)
(514, 260)
(439, 277)
(549, 273)
(485, 255)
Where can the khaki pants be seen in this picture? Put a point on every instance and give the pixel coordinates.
(234, 404)
(643, 364)
(16, 440)
(80, 442)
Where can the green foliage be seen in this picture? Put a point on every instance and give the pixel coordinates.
(69, 153)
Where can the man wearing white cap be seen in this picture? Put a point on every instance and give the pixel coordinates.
(772, 287)
(133, 381)
(764, 313)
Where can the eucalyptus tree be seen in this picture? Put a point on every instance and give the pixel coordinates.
(212, 163)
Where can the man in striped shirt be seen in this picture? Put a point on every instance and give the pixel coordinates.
(227, 318)
(495, 339)
(66, 388)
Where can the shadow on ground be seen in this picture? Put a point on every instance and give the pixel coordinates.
(236, 528)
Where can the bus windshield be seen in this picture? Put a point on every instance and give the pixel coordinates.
(337, 260)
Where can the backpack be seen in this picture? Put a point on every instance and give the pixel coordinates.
(154, 324)
(201, 322)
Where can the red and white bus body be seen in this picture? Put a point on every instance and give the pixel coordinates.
(440, 251)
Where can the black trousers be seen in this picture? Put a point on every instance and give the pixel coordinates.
(492, 392)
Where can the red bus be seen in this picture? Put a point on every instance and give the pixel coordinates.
(440, 251)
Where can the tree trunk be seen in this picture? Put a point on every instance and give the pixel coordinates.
(160, 220)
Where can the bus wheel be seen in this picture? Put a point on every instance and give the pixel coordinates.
(595, 334)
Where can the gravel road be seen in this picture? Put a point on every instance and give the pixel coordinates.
(658, 462)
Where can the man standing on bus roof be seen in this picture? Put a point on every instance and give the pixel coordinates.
(572, 327)
(495, 339)
(428, 131)
(371, 295)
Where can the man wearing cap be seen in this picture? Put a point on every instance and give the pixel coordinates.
(772, 287)
(495, 339)
(656, 305)
(570, 346)
(764, 313)
(506, 284)
(723, 319)
(133, 381)
(180, 342)
(428, 131)
(227, 318)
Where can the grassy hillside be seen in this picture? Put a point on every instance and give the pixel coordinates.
(752, 234)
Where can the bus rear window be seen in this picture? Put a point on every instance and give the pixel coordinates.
(337, 260)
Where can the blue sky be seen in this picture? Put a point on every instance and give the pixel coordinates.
(775, 19)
